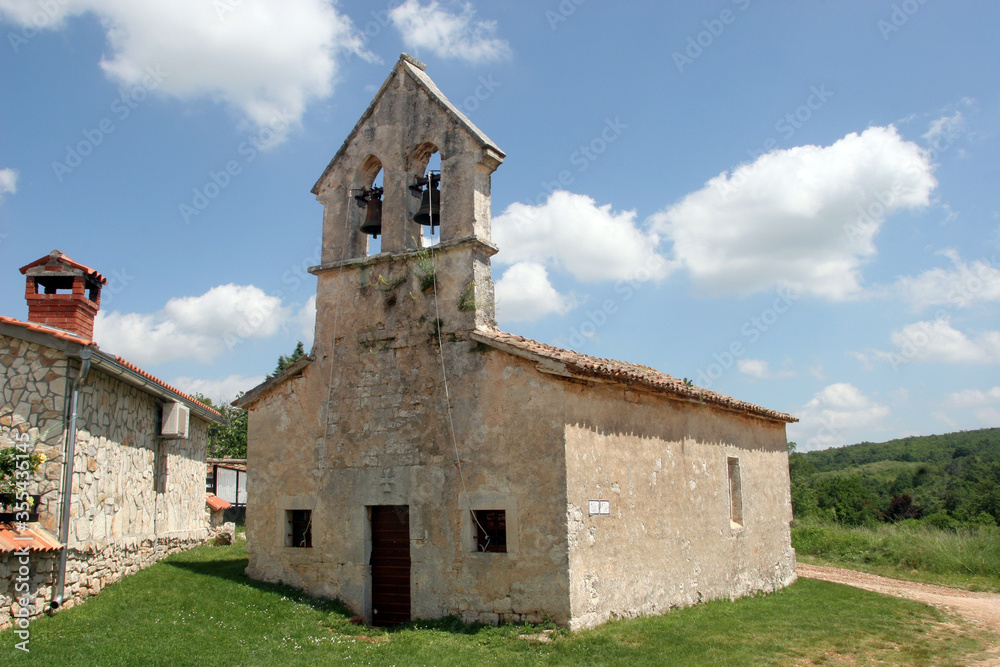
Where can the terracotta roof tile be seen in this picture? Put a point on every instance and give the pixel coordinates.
(56, 333)
(63, 335)
(216, 503)
(63, 258)
(34, 537)
(622, 372)
(152, 378)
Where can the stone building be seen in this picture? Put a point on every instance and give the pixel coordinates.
(422, 463)
(139, 445)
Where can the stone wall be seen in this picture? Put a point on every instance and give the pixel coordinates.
(33, 386)
(128, 482)
(669, 540)
(136, 497)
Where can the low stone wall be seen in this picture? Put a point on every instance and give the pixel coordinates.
(88, 570)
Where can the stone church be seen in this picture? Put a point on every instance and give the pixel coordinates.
(422, 463)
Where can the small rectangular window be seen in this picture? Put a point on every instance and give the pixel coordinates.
(298, 528)
(735, 493)
(491, 530)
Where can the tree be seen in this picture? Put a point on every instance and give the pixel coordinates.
(284, 362)
(228, 441)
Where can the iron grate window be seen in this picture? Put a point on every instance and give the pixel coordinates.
(491, 530)
(298, 528)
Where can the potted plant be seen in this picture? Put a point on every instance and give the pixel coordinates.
(15, 506)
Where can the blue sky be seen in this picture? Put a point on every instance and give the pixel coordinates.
(793, 203)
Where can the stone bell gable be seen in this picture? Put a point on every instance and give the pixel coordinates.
(405, 125)
(408, 121)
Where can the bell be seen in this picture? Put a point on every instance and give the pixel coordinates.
(429, 212)
(373, 218)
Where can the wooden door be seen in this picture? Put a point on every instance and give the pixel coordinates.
(390, 563)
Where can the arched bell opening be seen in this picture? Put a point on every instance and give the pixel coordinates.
(424, 207)
(366, 207)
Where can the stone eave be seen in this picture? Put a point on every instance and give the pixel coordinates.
(575, 366)
(258, 392)
(415, 69)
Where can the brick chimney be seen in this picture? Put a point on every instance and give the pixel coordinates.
(63, 294)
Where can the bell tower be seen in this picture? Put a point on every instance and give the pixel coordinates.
(378, 185)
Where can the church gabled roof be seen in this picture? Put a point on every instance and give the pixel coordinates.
(566, 363)
(408, 65)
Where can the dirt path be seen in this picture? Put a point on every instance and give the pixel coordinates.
(982, 609)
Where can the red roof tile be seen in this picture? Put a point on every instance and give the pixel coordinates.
(216, 503)
(63, 335)
(57, 333)
(58, 256)
(152, 378)
(34, 537)
(621, 372)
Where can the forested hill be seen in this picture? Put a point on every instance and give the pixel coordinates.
(925, 449)
(949, 480)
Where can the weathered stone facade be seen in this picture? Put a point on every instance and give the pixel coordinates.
(412, 400)
(136, 496)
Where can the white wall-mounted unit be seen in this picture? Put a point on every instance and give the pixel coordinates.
(176, 417)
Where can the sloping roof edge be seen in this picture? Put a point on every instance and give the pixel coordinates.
(414, 68)
(126, 371)
(257, 393)
(566, 363)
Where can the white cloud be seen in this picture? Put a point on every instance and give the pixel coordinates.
(307, 321)
(222, 390)
(755, 368)
(974, 397)
(840, 414)
(198, 327)
(805, 217)
(8, 182)
(266, 59)
(945, 130)
(938, 341)
(571, 232)
(447, 34)
(524, 292)
(761, 370)
(988, 416)
(963, 285)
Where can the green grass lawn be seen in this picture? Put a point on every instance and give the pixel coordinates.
(968, 558)
(197, 608)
